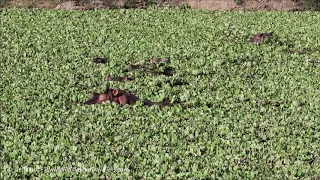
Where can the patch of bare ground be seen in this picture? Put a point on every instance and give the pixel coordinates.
(70, 5)
(286, 5)
(29, 4)
(272, 5)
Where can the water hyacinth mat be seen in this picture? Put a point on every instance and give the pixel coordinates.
(237, 96)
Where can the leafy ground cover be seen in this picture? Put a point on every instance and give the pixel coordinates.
(251, 110)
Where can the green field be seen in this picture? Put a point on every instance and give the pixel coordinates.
(250, 111)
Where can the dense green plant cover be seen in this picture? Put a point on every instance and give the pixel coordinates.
(253, 109)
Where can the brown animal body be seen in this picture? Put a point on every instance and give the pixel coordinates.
(259, 37)
(120, 97)
(115, 95)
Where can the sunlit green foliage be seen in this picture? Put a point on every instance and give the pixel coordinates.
(253, 109)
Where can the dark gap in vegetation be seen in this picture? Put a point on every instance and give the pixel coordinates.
(120, 79)
(100, 60)
(178, 83)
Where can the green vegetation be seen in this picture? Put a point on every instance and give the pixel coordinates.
(2, 3)
(253, 109)
(238, 2)
(312, 4)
